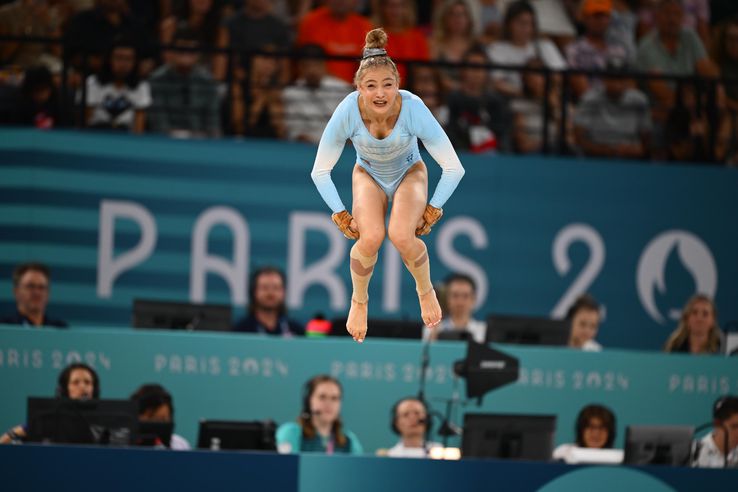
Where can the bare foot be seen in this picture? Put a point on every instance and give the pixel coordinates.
(430, 310)
(356, 322)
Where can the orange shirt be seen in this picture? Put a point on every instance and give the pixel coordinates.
(337, 37)
(410, 44)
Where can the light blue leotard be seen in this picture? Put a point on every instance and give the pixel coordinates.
(386, 160)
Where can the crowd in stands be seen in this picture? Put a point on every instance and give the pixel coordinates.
(582, 77)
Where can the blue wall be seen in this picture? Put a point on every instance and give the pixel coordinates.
(535, 232)
(243, 377)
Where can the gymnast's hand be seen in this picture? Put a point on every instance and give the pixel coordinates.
(431, 216)
(346, 223)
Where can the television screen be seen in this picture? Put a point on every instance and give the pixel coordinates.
(658, 444)
(170, 315)
(225, 434)
(107, 422)
(527, 330)
(508, 436)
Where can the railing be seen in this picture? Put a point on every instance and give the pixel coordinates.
(695, 125)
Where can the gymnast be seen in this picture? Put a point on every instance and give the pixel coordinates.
(384, 124)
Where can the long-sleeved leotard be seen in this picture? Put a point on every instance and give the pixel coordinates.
(387, 160)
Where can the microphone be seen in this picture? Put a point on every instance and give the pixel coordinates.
(310, 413)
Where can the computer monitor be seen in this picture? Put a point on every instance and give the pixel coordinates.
(108, 422)
(170, 315)
(658, 444)
(383, 328)
(508, 436)
(152, 433)
(527, 330)
(228, 434)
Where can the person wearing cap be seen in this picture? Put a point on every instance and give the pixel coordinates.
(613, 119)
(710, 451)
(592, 50)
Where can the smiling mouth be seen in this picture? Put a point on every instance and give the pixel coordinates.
(380, 104)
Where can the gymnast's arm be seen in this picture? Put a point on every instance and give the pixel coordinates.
(427, 128)
(329, 151)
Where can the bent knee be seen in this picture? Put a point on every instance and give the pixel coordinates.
(402, 238)
(371, 239)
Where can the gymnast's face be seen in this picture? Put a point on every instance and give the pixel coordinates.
(378, 89)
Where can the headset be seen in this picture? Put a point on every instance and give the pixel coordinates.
(724, 407)
(62, 383)
(393, 415)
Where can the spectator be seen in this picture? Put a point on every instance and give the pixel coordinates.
(698, 331)
(31, 291)
(406, 42)
(453, 37)
(205, 19)
(347, 30)
(117, 99)
(77, 381)
(426, 83)
(155, 404)
(257, 109)
(529, 111)
(311, 100)
(595, 429)
(461, 298)
(710, 451)
(491, 14)
(255, 27)
(584, 318)
(411, 421)
(726, 56)
(671, 50)
(319, 427)
(519, 45)
(614, 119)
(30, 18)
(40, 104)
(697, 18)
(267, 311)
(92, 33)
(593, 50)
(479, 119)
(623, 25)
(185, 96)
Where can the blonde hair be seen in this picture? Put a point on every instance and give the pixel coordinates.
(376, 39)
(681, 335)
(439, 22)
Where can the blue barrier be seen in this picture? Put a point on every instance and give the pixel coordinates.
(83, 469)
(533, 232)
(230, 376)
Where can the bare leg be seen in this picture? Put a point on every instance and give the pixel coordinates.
(407, 211)
(369, 210)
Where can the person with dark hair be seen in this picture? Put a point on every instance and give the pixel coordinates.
(460, 294)
(310, 101)
(384, 124)
(711, 450)
(185, 96)
(77, 381)
(411, 421)
(520, 43)
(39, 104)
(204, 18)
(31, 285)
(595, 429)
(267, 309)
(117, 99)
(479, 118)
(453, 36)
(613, 118)
(319, 427)
(584, 317)
(155, 404)
(698, 331)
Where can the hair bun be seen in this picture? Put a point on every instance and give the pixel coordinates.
(376, 38)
